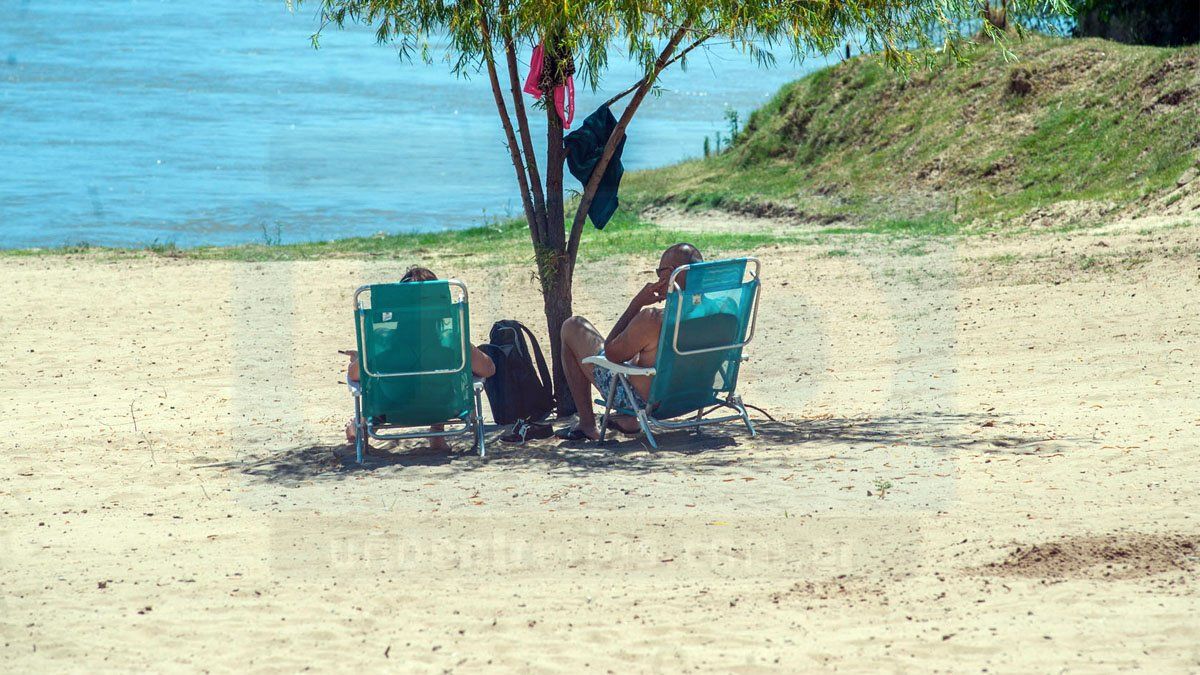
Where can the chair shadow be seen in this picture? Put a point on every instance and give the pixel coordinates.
(778, 444)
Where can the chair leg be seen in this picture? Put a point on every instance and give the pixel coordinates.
(644, 423)
(737, 402)
(359, 432)
(608, 401)
(642, 418)
(478, 419)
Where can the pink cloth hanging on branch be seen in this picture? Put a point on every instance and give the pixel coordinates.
(564, 94)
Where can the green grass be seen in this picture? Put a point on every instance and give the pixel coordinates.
(1119, 262)
(498, 242)
(508, 241)
(1103, 121)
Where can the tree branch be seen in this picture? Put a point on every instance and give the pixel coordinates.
(642, 81)
(535, 179)
(514, 153)
(589, 192)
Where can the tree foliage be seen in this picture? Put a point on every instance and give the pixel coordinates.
(580, 37)
(589, 31)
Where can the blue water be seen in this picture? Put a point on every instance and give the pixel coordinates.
(128, 122)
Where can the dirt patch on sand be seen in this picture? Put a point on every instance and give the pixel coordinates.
(1113, 556)
(842, 587)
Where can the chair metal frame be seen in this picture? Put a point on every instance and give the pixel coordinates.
(472, 422)
(622, 372)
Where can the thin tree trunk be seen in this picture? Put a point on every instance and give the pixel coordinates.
(556, 301)
(589, 192)
(556, 284)
(996, 16)
(514, 83)
(555, 158)
(531, 215)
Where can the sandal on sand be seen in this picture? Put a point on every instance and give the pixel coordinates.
(613, 426)
(571, 434)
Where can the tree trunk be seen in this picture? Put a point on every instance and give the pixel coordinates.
(531, 210)
(554, 255)
(996, 16)
(531, 165)
(556, 302)
(552, 267)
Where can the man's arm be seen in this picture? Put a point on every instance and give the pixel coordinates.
(650, 294)
(636, 337)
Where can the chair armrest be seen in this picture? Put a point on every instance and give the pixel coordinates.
(617, 367)
(477, 383)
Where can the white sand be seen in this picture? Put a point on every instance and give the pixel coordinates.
(176, 496)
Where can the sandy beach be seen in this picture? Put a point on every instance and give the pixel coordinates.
(177, 494)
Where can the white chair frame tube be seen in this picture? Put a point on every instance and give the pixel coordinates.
(679, 314)
(464, 348)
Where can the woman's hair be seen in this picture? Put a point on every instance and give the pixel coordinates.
(418, 273)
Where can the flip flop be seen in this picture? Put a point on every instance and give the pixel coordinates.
(571, 434)
(612, 425)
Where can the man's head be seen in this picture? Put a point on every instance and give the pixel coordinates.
(678, 255)
(416, 273)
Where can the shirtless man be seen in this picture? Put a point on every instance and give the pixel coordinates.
(633, 340)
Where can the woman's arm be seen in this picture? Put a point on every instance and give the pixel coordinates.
(481, 364)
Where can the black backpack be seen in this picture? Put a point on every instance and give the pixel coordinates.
(516, 392)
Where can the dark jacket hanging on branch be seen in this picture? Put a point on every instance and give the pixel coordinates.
(584, 147)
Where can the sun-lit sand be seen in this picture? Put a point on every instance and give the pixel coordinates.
(982, 459)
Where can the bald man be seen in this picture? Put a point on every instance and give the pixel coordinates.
(633, 340)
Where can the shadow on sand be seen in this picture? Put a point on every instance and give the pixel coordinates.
(779, 444)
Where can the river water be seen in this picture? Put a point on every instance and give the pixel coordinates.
(129, 122)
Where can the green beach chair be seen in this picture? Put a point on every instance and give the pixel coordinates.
(705, 327)
(414, 348)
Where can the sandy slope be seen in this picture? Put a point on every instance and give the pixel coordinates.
(175, 497)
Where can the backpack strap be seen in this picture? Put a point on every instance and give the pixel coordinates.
(541, 360)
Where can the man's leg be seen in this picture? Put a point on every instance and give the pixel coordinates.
(580, 339)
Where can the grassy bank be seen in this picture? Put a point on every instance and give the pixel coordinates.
(1070, 120)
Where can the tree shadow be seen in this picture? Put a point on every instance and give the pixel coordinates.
(988, 433)
(781, 444)
(336, 461)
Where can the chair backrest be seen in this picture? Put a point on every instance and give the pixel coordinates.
(705, 327)
(415, 352)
